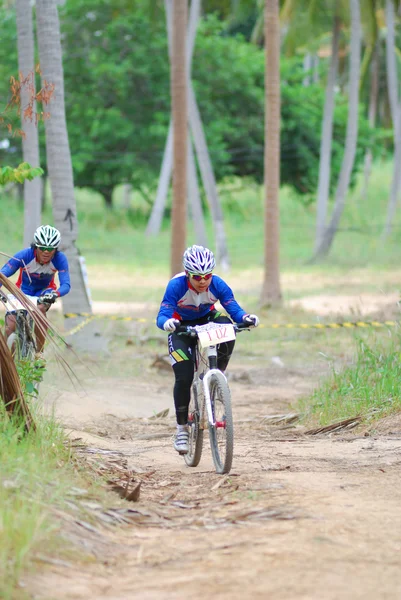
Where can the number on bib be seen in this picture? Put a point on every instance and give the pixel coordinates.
(216, 335)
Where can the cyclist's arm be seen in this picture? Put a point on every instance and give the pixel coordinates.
(226, 297)
(63, 275)
(14, 263)
(168, 306)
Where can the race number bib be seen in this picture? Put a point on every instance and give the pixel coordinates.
(14, 304)
(212, 334)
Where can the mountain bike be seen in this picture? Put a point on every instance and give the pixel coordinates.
(21, 342)
(210, 404)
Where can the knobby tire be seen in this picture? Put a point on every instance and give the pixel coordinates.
(221, 438)
(193, 457)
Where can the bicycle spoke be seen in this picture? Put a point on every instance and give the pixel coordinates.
(222, 432)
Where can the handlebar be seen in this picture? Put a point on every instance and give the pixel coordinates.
(42, 300)
(47, 300)
(190, 330)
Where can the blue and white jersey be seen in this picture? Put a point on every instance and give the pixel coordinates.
(182, 302)
(35, 279)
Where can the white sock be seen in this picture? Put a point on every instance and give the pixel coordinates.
(182, 428)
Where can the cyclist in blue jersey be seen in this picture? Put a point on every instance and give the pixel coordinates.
(37, 267)
(190, 299)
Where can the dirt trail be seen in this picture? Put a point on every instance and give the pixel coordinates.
(299, 516)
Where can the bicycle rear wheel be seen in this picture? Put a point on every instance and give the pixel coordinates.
(221, 434)
(194, 454)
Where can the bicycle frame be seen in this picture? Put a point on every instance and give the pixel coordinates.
(207, 357)
(202, 355)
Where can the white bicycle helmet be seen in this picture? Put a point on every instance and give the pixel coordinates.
(46, 235)
(198, 260)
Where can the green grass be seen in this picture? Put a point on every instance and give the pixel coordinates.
(136, 266)
(34, 473)
(37, 479)
(370, 386)
(117, 238)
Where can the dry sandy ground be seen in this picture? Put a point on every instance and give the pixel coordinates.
(299, 517)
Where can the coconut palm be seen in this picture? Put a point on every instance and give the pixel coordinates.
(372, 112)
(58, 153)
(395, 108)
(351, 134)
(271, 292)
(323, 190)
(30, 141)
(178, 81)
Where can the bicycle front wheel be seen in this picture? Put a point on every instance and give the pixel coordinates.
(194, 454)
(222, 432)
(27, 347)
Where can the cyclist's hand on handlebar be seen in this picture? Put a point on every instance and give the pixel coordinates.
(170, 325)
(251, 320)
(48, 298)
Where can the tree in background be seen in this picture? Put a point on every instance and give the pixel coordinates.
(323, 190)
(22, 89)
(352, 132)
(271, 292)
(118, 113)
(180, 133)
(58, 153)
(30, 139)
(395, 109)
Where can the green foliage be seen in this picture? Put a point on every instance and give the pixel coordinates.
(30, 374)
(118, 106)
(23, 172)
(118, 98)
(33, 477)
(302, 114)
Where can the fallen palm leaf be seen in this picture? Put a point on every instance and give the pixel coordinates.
(288, 418)
(219, 483)
(345, 424)
(160, 415)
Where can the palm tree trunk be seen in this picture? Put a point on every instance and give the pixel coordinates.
(30, 142)
(352, 131)
(271, 292)
(194, 198)
(326, 138)
(199, 141)
(395, 108)
(58, 154)
(127, 193)
(308, 58)
(373, 98)
(209, 181)
(391, 62)
(179, 113)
